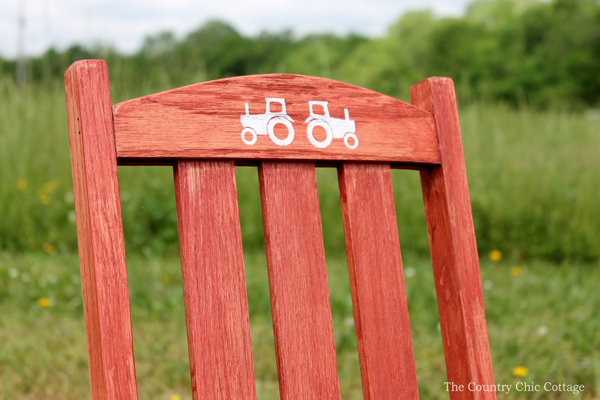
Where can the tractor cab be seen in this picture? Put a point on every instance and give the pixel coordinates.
(313, 114)
(281, 102)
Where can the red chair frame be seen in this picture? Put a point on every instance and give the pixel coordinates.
(197, 130)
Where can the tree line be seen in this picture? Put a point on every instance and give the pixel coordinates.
(537, 53)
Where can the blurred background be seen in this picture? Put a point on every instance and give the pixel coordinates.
(527, 76)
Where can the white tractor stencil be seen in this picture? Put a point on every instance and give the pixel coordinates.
(263, 124)
(335, 128)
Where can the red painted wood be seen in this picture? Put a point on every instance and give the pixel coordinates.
(203, 121)
(304, 343)
(216, 305)
(453, 247)
(100, 231)
(376, 282)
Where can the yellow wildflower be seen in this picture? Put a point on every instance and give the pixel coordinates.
(44, 302)
(50, 186)
(516, 271)
(175, 397)
(520, 371)
(495, 255)
(48, 248)
(44, 198)
(21, 184)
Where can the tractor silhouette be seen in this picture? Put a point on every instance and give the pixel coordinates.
(263, 124)
(335, 128)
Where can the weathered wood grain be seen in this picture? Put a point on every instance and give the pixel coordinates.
(203, 121)
(100, 232)
(304, 344)
(453, 247)
(212, 262)
(376, 282)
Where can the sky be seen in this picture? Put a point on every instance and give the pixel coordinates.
(123, 24)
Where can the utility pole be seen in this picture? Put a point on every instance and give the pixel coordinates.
(21, 46)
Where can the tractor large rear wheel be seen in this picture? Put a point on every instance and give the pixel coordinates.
(309, 132)
(271, 131)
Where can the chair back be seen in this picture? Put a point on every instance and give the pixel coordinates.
(286, 125)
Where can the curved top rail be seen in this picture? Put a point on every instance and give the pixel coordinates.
(275, 117)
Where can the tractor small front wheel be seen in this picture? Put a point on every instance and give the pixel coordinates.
(252, 136)
(353, 136)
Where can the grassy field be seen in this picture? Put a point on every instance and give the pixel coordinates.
(533, 175)
(540, 316)
(534, 183)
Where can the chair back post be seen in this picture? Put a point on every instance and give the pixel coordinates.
(100, 231)
(453, 247)
(302, 325)
(214, 284)
(379, 302)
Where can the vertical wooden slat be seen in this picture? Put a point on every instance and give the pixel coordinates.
(304, 343)
(453, 247)
(216, 305)
(100, 231)
(376, 282)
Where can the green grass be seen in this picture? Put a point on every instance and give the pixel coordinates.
(533, 176)
(534, 184)
(544, 319)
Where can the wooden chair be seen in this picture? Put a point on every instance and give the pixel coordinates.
(204, 130)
